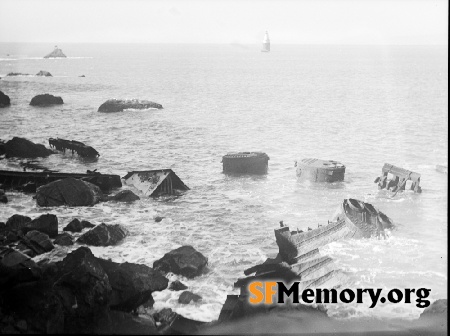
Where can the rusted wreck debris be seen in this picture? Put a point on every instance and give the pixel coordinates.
(397, 179)
(75, 146)
(156, 182)
(316, 170)
(245, 163)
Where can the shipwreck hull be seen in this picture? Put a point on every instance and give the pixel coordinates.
(30, 181)
(74, 146)
(397, 179)
(246, 163)
(156, 182)
(316, 170)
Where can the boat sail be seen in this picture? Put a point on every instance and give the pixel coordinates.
(266, 43)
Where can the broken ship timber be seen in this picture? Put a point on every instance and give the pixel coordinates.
(156, 182)
(245, 163)
(316, 170)
(396, 179)
(75, 146)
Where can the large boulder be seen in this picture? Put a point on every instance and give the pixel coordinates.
(77, 226)
(64, 239)
(4, 100)
(69, 191)
(21, 147)
(184, 260)
(132, 284)
(103, 235)
(37, 242)
(118, 105)
(46, 100)
(47, 224)
(44, 73)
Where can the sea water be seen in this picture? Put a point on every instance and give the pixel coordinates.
(361, 105)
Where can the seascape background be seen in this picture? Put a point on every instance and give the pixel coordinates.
(361, 105)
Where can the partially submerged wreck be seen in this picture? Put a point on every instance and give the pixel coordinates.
(245, 163)
(75, 146)
(30, 181)
(397, 179)
(156, 182)
(316, 170)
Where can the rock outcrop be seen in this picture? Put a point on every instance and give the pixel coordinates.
(46, 100)
(35, 243)
(4, 100)
(63, 239)
(44, 73)
(47, 224)
(184, 260)
(77, 226)
(69, 191)
(56, 53)
(177, 286)
(124, 196)
(118, 105)
(103, 235)
(21, 147)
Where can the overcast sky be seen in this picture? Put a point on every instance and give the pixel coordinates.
(225, 21)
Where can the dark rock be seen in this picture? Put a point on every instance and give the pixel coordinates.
(132, 284)
(159, 219)
(44, 73)
(103, 235)
(82, 76)
(12, 74)
(184, 260)
(46, 100)
(174, 324)
(17, 222)
(64, 239)
(124, 196)
(21, 147)
(39, 242)
(116, 322)
(47, 224)
(15, 268)
(69, 191)
(177, 286)
(3, 198)
(56, 53)
(76, 226)
(4, 100)
(186, 297)
(118, 105)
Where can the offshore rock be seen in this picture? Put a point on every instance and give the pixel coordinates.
(118, 105)
(184, 260)
(124, 196)
(63, 239)
(21, 147)
(47, 224)
(56, 53)
(186, 297)
(4, 100)
(132, 284)
(177, 286)
(44, 73)
(70, 191)
(76, 226)
(103, 235)
(46, 100)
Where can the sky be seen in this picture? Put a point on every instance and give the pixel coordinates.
(380, 22)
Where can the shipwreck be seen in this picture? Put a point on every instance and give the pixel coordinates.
(397, 179)
(156, 182)
(245, 163)
(75, 146)
(30, 181)
(316, 170)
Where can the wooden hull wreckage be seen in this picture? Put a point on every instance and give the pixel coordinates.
(246, 163)
(30, 181)
(75, 146)
(156, 183)
(316, 170)
(299, 258)
(397, 179)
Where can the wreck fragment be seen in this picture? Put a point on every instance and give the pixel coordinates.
(397, 179)
(245, 163)
(75, 146)
(316, 170)
(156, 182)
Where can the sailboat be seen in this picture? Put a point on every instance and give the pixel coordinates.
(266, 43)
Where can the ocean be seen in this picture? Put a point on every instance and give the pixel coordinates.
(360, 105)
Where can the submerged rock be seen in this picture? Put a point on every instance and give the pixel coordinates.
(44, 73)
(3, 198)
(118, 105)
(4, 100)
(76, 226)
(184, 260)
(21, 147)
(177, 286)
(103, 235)
(46, 100)
(69, 191)
(186, 297)
(124, 196)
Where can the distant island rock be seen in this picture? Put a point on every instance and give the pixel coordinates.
(17, 74)
(4, 100)
(44, 73)
(46, 100)
(118, 105)
(56, 53)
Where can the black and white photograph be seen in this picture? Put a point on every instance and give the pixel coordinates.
(224, 167)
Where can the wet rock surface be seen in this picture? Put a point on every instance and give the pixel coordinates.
(124, 196)
(77, 226)
(118, 105)
(177, 286)
(4, 100)
(23, 148)
(184, 260)
(103, 235)
(46, 223)
(46, 100)
(44, 73)
(187, 297)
